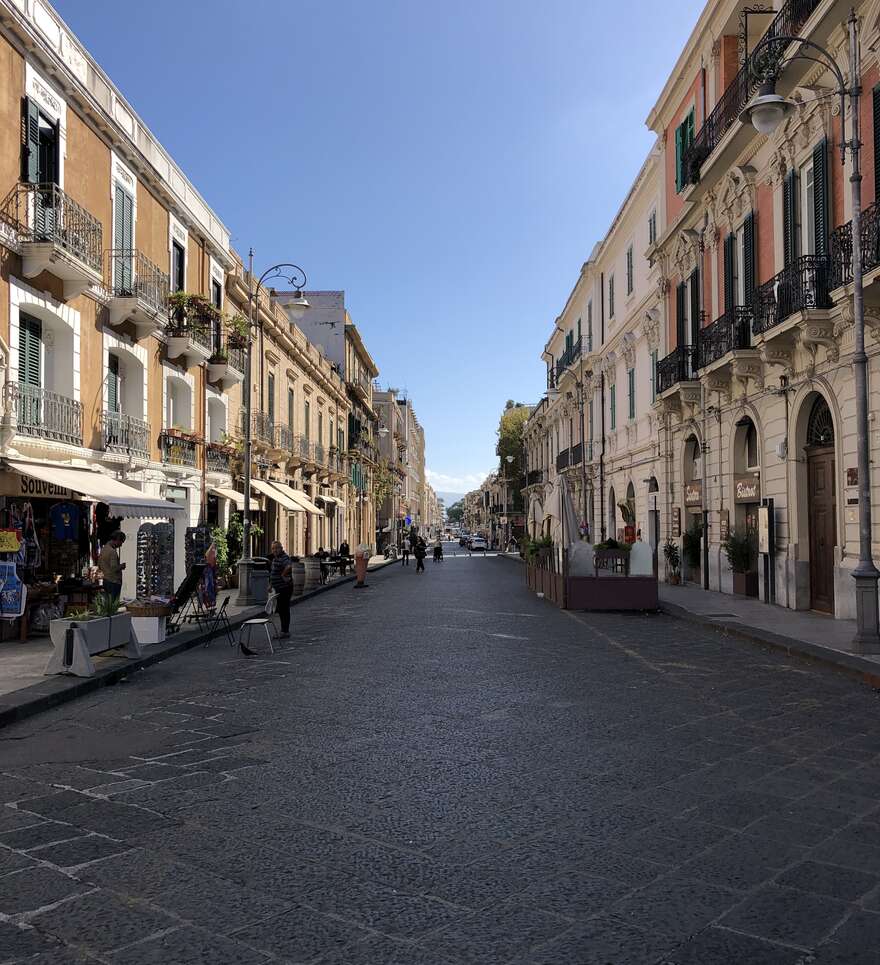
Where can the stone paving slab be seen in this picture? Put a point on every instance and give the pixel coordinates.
(445, 770)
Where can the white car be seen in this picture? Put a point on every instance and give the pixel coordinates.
(477, 543)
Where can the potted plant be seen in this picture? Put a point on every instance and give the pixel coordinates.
(673, 562)
(237, 331)
(103, 626)
(740, 547)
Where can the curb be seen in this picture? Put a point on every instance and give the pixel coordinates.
(850, 663)
(59, 689)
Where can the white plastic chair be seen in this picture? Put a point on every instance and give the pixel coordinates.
(265, 623)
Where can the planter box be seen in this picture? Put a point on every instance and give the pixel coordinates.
(89, 637)
(745, 584)
(148, 630)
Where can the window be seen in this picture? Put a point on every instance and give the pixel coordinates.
(569, 342)
(307, 430)
(320, 427)
(611, 296)
(613, 401)
(684, 137)
(30, 351)
(652, 227)
(290, 402)
(123, 237)
(653, 376)
(631, 393)
(591, 420)
(178, 267)
(579, 329)
(112, 383)
(806, 228)
(751, 447)
(40, 161)
(340, 439)
(590, 325)
(629, 270)
(216, 294)
(270, 391)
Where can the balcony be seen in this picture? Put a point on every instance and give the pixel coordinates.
(570, 355)
(218, 458)
(360, 384)
(319, 454)
(56, 235)
(840, 271)
(675, 368)
(284, 441)
(562, 460)
(730, 332)
(788, 22)
(178, 448)
(189, 344)
(576, 454)
(226, 365)
(535, 477)
(336, 462)
(303, 449)
(43, 414)
(125, 435)
(138, 291)
(794, 299)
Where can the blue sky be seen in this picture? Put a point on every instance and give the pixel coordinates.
(449, 164)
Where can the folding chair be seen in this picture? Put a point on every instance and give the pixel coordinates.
(265, 623)
(219, 623)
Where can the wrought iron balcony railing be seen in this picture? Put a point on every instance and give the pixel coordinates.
(676, 367)
(237, 357)
(576, 454)
(132, 275)
(125, 434)
(262, 427)
(562, 460)
(319, 453)
(733, 330)
(44, 414)
(841, 247)
(192, 330)
(284, 438)
(800, 286)
(178, 450)
(787, 23)
(304, 448)
(43, 213)
(218, 458)
(534, 477)
(571, 354)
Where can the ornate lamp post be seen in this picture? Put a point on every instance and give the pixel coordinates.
(765, 113)
(296, 278)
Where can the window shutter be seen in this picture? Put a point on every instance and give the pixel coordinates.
(678, 151)
(112, 383)
(789, 217)
(696, 314)
(876, 95)
(29, 345)
(122, 238)
(30, 161)
(748, 268)
(729, 286)
(820, 196)
(680, 296)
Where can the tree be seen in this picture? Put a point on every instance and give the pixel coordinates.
(510, 435)
(455, 512)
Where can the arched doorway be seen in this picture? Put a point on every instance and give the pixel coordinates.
(822, 505)
(746, 498)
(692, 525)
(629, 513)
(653, 515)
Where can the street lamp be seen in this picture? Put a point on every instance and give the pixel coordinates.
(296, 278)
(765, 113)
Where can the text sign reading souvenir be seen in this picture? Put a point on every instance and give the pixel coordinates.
(17, 484)
(747, 489)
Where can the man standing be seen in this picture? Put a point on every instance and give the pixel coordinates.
(110, 567)
(404, 552)
(344, 553)
(281, 581)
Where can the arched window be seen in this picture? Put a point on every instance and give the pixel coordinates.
(820, 427)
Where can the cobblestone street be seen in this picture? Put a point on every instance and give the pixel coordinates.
(443, 769)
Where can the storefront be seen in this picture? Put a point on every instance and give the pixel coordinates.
(54, 520)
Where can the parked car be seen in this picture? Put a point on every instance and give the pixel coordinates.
(477, 543)
(463, 539)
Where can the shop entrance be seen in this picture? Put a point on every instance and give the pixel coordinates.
(822, 506)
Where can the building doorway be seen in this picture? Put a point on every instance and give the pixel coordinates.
(822, 505)
(653, 516)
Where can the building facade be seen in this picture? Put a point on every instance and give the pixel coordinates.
(742, 294)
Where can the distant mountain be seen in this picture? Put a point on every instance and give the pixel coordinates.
(450, 498)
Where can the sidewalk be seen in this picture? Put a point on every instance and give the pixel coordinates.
(800, 632)
(24, 690)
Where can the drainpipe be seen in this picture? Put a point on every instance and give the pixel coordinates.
(602, 528)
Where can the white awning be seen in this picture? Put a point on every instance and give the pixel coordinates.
(235, 497)
(332, 500)
(123, 500)
(299, 498)
(269, 489)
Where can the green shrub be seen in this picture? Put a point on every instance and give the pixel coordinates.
(741, 549)
(691, 544)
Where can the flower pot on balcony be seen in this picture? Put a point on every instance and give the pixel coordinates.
(221, 372)
(745, 584)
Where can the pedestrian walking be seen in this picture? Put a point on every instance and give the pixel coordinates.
(404, 552)
(110, 567)
(281, 582)
(421, 551)
(344, 553)
(438, 551)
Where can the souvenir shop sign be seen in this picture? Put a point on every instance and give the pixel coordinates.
(693, 493)
(747, 489)
(10, 540)
(27, 487)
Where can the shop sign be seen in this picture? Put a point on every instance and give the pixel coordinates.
(747, 489)
(17, 484)
(723, 525)
(693, 493)
(10, 540)
(676, 521)
(763, 529)
(852, 477)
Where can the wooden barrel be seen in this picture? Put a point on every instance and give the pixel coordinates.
(313, 574)
(298, 574)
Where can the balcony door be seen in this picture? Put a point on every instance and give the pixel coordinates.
(30, 371)
(123, 240)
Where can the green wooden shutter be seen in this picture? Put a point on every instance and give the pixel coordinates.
(696, 314)
(680, 303)
(729, 281)
(112, 383)
(820, 197)
(123, 240)
(679, 133)
(30, 160)
(876, 96)
(749, 267)
(789, 217)
(30, 343)
(653, 376)
(631, 392)
(613, 402)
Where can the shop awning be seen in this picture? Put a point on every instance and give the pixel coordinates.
(123, 500)
(331, 500)
(235, 497)
(297, 496)
(270, 490)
